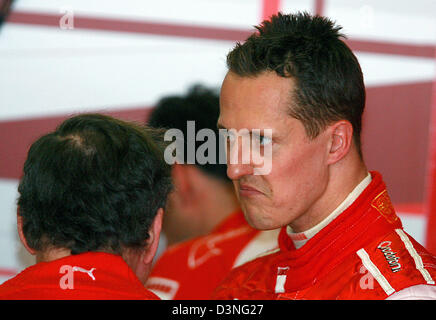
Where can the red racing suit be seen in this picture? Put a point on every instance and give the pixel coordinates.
(362, 254)
(87, 276)
(192, 269)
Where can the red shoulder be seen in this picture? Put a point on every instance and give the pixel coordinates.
(250, 280)
(397, 261)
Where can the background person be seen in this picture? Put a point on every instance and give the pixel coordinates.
(199, 188)
(203, 206)
(297, 77)
(90, 209)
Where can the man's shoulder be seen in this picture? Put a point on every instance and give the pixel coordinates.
(87, 276)
(198, 250)
(401, 258)
(204, 261)
(250, 280)
(387, 266)
(394, 263)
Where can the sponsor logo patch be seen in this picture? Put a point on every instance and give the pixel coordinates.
(384, 205)
(390, 256)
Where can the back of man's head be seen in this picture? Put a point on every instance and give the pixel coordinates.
(201, 105)
(204, 195)
(94, 184)
(327, 76)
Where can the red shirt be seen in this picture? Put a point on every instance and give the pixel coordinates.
(87, 276)
(362, 254)
(192, 269)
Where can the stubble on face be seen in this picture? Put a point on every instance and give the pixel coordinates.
(297, 178)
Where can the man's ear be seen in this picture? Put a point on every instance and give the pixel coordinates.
(21, 233)
(181, 182)
(153, 240)
(187, 181)
(341, 140)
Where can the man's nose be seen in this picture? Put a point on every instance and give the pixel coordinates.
(238, 160)
(237, 171)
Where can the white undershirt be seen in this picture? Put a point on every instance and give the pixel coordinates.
(301, 238)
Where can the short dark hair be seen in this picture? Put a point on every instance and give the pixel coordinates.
(199, 104)
(328, 78)
(94, 184)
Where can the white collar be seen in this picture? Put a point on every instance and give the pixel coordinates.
(301, 238)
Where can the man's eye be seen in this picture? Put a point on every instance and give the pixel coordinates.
(263, 140)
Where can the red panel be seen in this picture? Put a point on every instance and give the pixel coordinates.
(395, 137)
(384, 47)
(270, 7)
(203, 32)
(319, 7)
(6, 272)
(410, 208)
(131, 26)
(431, 181)
(17, 136)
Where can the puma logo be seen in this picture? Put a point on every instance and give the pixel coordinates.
(67, 280)
(89, 272)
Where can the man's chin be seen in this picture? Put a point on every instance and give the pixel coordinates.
(258, 221)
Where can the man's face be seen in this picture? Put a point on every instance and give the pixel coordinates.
(299, 174)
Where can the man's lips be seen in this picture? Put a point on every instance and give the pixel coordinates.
(246, 191)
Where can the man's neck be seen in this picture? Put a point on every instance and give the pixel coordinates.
(217, 203)
(301, 238)
(342, 181)
(52, 254)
